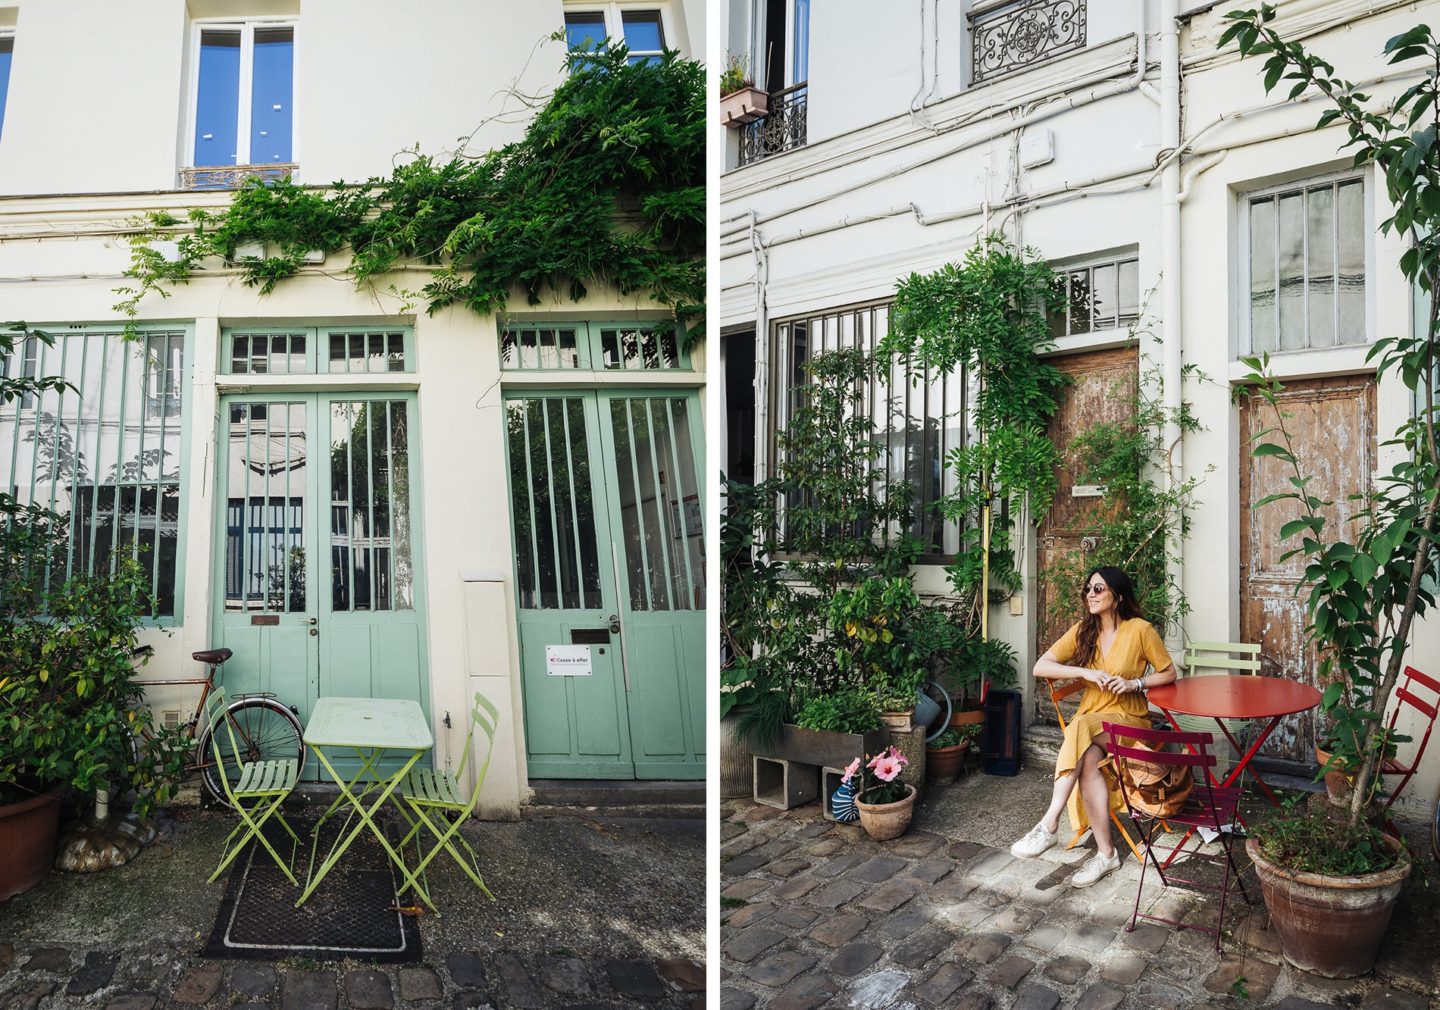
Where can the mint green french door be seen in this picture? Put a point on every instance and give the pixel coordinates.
(317, 588)
(610, 580)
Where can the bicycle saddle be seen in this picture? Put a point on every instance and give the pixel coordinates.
(211, 656)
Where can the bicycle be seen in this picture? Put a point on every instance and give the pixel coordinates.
(264, 728)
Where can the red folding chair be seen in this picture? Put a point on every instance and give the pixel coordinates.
(1405, 695)
(1207, 806)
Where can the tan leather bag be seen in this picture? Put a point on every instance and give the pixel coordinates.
(1159, 790)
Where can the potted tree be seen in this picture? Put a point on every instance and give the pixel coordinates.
(740, 101)
(1366, 582)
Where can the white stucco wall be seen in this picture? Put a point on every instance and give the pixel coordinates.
(100, 92)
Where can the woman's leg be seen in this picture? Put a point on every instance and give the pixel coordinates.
(1095, 794)
(1064, 785)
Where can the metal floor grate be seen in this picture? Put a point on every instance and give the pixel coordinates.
(349, 915)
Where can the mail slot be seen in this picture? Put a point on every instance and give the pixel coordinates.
(265, 620)
(589, 636)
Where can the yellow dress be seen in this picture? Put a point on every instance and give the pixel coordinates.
(1136, 646)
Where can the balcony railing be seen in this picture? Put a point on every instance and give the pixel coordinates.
(1019, 35)
(782, 129)
(231, 176)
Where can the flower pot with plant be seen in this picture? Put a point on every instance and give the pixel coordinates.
(1364, 583)
(885, 803)
(740, 101)
(946, 753)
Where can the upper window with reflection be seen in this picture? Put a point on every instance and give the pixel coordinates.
(591, 346)
(641, 29)
(1304, 264)
(1098, 296)
(242, 118)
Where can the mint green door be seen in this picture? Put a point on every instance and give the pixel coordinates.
(609, 553)
(316, 556)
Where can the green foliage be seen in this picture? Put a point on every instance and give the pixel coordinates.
(1140, 520)
(956, 735)
(736, 75)
(812, 552)
(967, 661)
(67, 694)
(851, 709)
(1367, 584)
(989, 315)
(1318, 839)
(607, 187)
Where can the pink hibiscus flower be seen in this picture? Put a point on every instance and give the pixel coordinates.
(887, 768)
(850, 770)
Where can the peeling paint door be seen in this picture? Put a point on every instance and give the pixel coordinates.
(1332, 423)
(1103, 390)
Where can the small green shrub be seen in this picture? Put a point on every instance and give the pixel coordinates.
(956, 735)
(1318, 839)
(852, 710)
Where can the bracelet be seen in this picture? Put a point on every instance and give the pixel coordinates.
(1139, 683)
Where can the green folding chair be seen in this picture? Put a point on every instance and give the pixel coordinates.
(1201, 658)
(263, 785)
(429, 792)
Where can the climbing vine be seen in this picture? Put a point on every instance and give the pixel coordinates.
(607, 187)
(990, 315)
(1141, 519)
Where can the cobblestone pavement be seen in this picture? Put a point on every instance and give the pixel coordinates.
(592, 913)
(816, 915)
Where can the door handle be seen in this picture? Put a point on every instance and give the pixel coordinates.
(614, 624)
(311, 622)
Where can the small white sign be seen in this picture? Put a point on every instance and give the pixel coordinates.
(567, 660)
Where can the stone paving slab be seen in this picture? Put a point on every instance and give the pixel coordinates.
(945, 917)
(603, 913)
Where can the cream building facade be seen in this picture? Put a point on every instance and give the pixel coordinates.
(431, 572)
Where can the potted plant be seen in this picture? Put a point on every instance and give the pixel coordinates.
(885, 803)
(945, 754)
(740, 101)
(1367, 582)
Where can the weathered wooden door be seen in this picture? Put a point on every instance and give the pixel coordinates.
(1332, 423)
(1103, 390)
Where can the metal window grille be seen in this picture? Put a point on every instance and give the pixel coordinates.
(105, 453)
(590, 346)
(919, 417)
(367, 352)
(782, 128)
(1017, 36)
(1100, 296)
(1307, 266)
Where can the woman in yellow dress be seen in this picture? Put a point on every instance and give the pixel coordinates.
(1110, 648)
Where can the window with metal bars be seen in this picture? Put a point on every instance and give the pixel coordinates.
(307, 351)
(106, 452)
(1304, 266)
(918, 417)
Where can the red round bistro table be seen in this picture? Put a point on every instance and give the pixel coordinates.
(1236, 697)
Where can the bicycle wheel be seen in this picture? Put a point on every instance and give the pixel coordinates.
(263, 730)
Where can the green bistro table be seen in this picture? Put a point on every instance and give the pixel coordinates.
(369, 727)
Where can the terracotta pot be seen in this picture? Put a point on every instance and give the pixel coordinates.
(1331, 926)
(973, 716)
(942, 764)
(27, 837)
(743, 106)
(884, 821)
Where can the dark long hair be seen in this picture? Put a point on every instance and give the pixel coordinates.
(1125, 601)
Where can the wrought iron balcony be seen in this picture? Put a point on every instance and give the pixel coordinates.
(782, 129)
(1016, 36)
(230, 176)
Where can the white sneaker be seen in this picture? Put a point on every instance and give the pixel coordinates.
(1094, 868)
(1034, 843)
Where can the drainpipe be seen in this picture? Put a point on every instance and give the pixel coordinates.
(1170, 264)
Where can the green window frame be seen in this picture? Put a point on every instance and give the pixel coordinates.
(599, 345)
(110, 451)
(317, 350)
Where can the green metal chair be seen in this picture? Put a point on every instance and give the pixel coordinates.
(263, 785)
(430, 792)
(1201, 658)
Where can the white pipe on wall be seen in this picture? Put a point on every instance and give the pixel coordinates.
(1170, 261)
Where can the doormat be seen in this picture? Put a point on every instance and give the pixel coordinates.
(351, 914)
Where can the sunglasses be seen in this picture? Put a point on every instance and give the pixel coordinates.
(1094, 589)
